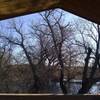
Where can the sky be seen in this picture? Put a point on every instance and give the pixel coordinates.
(35, 18)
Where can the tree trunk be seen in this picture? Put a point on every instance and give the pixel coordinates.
(32, 66)
(86, 83)
(62, 84)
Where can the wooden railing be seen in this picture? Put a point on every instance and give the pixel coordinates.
(47, 97)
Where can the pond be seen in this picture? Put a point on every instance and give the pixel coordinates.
(54, 88)
(74, 88)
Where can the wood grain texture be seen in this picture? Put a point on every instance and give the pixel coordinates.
(88, 9)
(13, 8)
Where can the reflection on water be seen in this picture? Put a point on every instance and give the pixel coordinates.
(54, 88)
(74, 88)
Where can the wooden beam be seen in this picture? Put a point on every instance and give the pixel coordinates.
(48, 97)
(13, 8)
(88, 9)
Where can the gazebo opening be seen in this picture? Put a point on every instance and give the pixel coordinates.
(46, 50)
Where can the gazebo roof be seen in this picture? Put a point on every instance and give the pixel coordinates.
(88, 9)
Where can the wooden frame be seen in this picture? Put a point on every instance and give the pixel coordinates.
(84, 8)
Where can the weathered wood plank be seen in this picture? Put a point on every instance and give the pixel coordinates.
(12, 8)
(48, 97)
(88, 9)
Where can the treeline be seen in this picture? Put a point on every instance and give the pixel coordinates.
(48, 43)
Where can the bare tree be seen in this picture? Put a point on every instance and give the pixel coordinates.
(48, 44)
(57, 34)
(19, 40)
(90, 41)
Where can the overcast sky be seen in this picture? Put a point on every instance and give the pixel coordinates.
(35, 17)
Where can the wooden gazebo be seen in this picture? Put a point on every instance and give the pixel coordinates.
(88, 9)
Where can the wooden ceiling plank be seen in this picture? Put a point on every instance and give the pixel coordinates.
(88, 9)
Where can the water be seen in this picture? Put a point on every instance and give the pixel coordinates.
(54, 88)
(75, 86)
